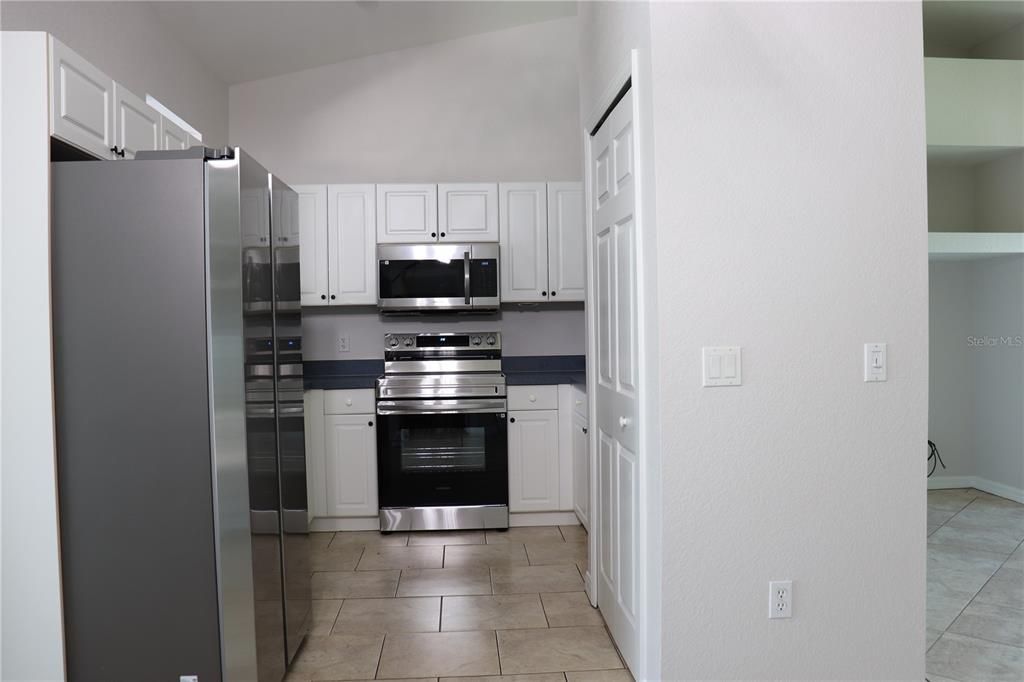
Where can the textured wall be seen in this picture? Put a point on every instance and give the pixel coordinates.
(790, 171)
(494, 106)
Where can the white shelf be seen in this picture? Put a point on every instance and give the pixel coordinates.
(971, 245)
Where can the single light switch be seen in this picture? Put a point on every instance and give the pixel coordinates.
(875, 364)
(722, 366)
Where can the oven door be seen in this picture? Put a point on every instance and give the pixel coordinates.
(436, 453)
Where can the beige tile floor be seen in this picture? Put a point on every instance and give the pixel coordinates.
(467, 606)
(975, 587)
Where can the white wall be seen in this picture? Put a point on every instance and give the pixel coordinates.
(608, 31)
(126, 41)
(526, 331)
(791, 142)
(951, 377)
(494, 106)
(31, 625)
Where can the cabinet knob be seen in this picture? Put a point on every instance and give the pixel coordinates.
(333, 297)
(543, 293)
(433, 234)
(584, 429)
(348, 401)
(554, 293)
(533, 398)
(442, 234)
(323, 297)
(512, 419)
(369, 423)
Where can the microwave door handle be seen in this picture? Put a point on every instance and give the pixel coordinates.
(465, 263)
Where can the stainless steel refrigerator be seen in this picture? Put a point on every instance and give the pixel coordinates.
(179, 418)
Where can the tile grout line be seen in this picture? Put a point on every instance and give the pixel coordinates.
(544, 609)
(497, 651)
(983, 639)
(380, 656)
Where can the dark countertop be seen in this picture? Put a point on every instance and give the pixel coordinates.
(520, 370)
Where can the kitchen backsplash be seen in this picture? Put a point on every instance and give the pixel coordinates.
(551, 330)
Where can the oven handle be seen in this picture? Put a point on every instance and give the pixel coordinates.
(465, 263)
(460, 406)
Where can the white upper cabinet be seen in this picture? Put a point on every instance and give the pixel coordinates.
(288, 231)
(523, 222)
(352, 224)
(136, 124)
(467, 212)
(81, 102)
(566, 244)
(312, 223)
(406, 213)
(256, 217)
(173, 136)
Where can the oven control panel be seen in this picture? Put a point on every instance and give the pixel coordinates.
(436, 341)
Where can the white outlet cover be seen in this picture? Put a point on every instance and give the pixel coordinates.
(780, 599)
(344, 344)
(722, 366)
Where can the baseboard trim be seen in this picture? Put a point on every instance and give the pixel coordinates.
(328, 524)
(519, 519)
(983, 484)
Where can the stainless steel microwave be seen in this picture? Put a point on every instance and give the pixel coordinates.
(437, 277)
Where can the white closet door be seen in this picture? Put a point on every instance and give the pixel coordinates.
(567, 248)
(312, 228)
(81, 101)
(467, 213)
(523, 223)
(352, 264)
(136, 124)
(406, 214)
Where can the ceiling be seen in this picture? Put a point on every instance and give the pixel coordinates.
(959, 25)
(243, 41)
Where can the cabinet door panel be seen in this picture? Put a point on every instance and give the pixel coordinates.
(523, 223)
(467, 212)
(313, 244)
(173, 136)
(406, 214)
(533, 460)
(136, 124)
(81, 101)
(566, 245)
(352, 221)
(316, 453)
(581, 469)
(351, 465)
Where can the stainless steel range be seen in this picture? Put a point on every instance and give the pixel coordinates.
(442, 436)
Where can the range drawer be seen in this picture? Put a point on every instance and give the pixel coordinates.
(349, 401)
(533, 397)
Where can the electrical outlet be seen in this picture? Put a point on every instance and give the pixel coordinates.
(343, 344)
(188, 678)
(780, 599)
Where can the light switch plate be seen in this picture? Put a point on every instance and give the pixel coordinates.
(875, 362)
(722, 366)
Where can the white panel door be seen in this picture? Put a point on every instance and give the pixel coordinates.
(581, 469)
(351, 464)
(523, 223)
(567, 246)
(81, 101)
(136, 124)
(467, 213)
(173, 136)
(352, 264)
(533, 460)
(312, 224)
(616, 375)
(406, 214)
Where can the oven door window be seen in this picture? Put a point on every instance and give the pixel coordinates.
(442, 459)
(422, 279)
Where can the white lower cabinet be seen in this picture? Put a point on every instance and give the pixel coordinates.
(533, 461)
(351, 464)
(581, 469)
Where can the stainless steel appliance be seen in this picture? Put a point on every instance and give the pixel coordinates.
(437, 277)
(442, 437)
(180, 446)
